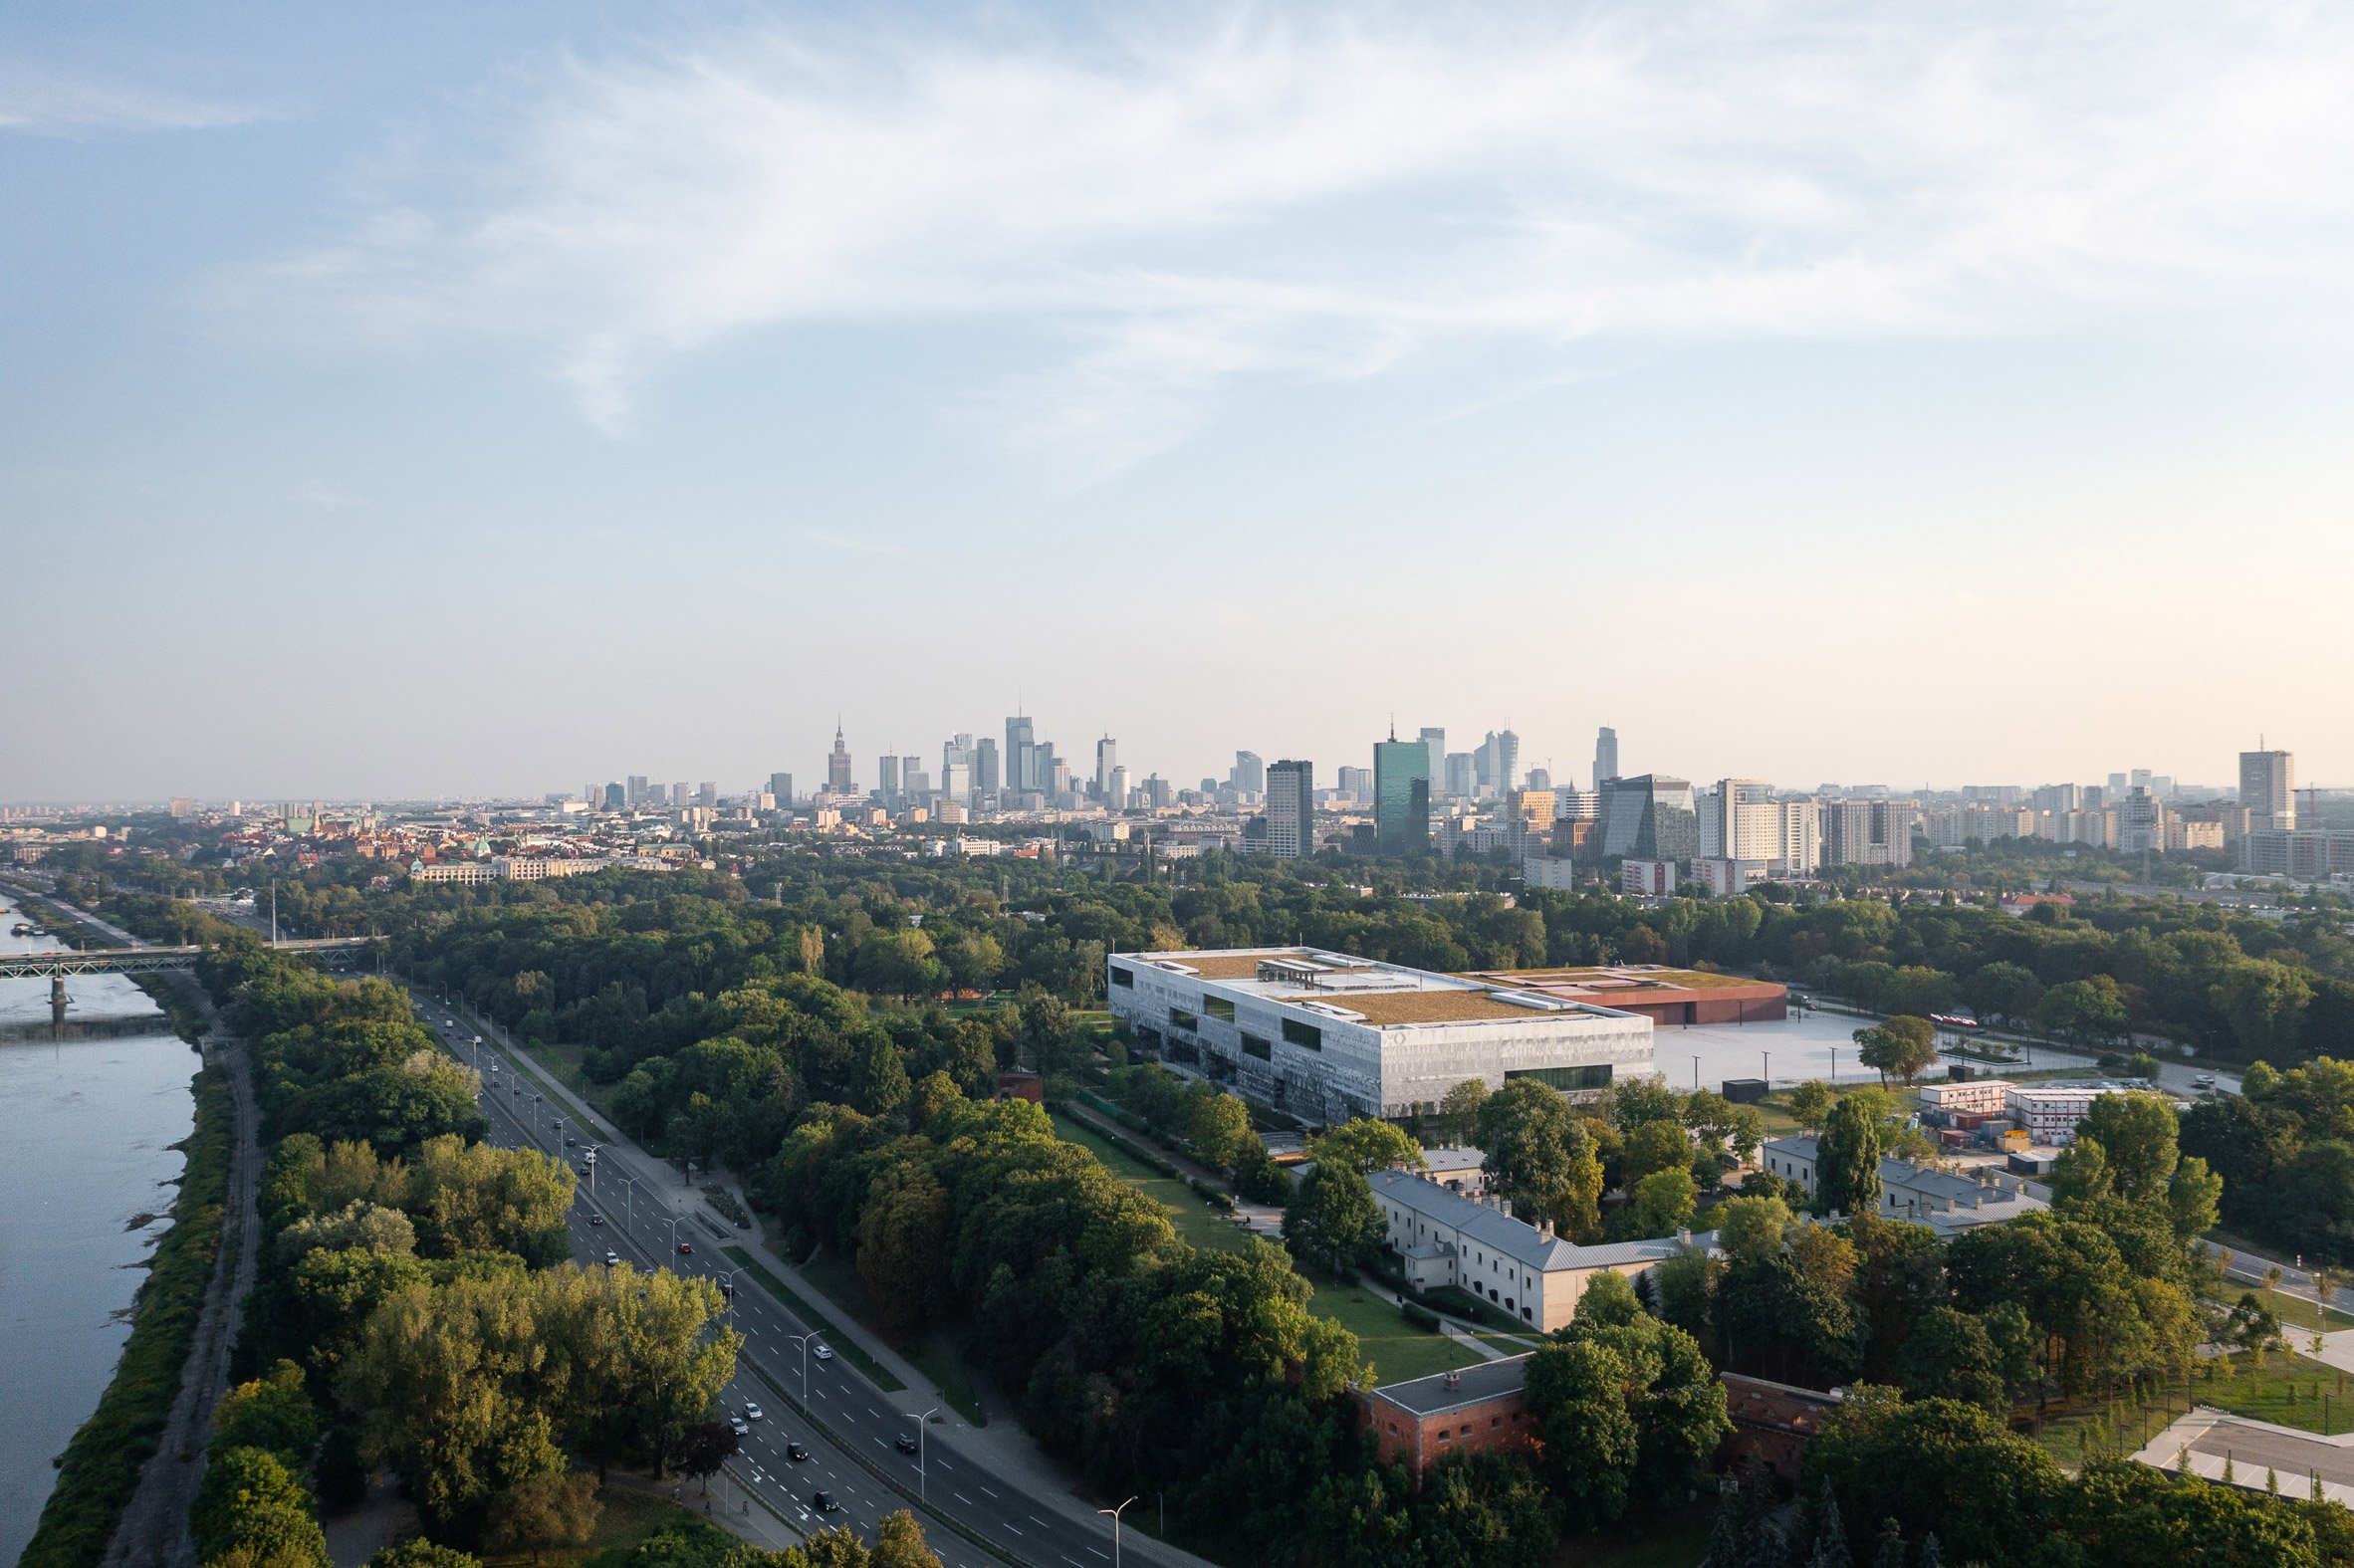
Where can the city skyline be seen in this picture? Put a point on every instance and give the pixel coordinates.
(487, 459)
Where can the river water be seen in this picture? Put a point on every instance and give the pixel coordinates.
(87, 1169)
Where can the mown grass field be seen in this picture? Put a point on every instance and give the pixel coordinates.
(1397, 1349)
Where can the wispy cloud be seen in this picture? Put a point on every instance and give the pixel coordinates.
(1329, 200)
(42, 99)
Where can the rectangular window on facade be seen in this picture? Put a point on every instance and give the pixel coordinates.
(1218, 1008)
(1597, 1077)
(1180, 1018)
(1123, 977)
(1305, 1035)
(1255, 1045)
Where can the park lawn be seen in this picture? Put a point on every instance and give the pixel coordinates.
(2288, 1390)
(934, 1352)
(562, 1063)
(1397, 1349)
(1670, 1540)
(1195, 1220)
(2294, 1313)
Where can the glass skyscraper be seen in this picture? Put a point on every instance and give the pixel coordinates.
(1401, 796)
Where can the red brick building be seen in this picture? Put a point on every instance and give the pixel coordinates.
(1420, 1422)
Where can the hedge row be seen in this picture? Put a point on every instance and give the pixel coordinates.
(101, 1467)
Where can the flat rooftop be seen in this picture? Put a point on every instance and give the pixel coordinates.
(1384, 995)
(1632, 983)
(1445, 1390)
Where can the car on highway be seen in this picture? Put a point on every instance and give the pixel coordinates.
(822, 1352)
(739, 1426)
(571, 1143)
(824, 1502)
(596, 1219)
(906, 1444)
(588, 1155)
(796, 1453)
(612, 1259)
(686, 1248)
(751, 1412)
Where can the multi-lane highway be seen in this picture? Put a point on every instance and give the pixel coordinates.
(851, 1430)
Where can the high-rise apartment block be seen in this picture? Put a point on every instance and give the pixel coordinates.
(1291, 809)
(2268, 787)
(1401, 796)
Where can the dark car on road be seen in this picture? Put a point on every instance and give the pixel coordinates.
(796, 1453)
(824, 1502)
(686, 1248)
(907, 1444)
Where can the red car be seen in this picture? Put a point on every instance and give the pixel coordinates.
(686, 1248)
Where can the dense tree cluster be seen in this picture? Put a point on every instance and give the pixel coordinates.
(416, 1307)
(2096, 1294)
(2284, 1149)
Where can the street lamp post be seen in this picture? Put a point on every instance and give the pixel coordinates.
(727, 1288)
(629, 1200)
(802, 1340)
(1769, 1056)
(1696, 1072)
(1115, 1529)
(922, 1471)
(675, 1225)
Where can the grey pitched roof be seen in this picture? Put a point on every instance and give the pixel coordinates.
(1485, 1380)
(1800, 1147)
(1921, 1179)
(1514, 1239)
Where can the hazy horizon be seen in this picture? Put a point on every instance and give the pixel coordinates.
(441, 402)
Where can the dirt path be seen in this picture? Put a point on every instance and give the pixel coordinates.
(153, 1529)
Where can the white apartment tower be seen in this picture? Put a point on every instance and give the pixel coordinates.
(1291, 809)
(2268, 787)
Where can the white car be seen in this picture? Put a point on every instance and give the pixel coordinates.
(739, 1426)
(821, 1352)
(752, 1411)
(612, 1259)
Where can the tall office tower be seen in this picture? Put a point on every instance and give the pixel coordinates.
(1249, 774)
(1058, 771)
(1484, 766)
(1291, 809)
(1107, 757)
(1502, 748)
(2117, 787)
(708, 795)
(1605, 754)
(1115, 794)
(1540, 779)
(1458, 782)
(1401, 796)
(888, 776)
(1435, 737)
(837, 766)
(781, 785)
(2139, 780)
(616, 797)
(2269, 789)
(1019, 737)
(1356, 784)
(985, 774)
(636, 790)
(914, 782)
(1650, 818)
(956, 782)
(956, 749)
(680, 795)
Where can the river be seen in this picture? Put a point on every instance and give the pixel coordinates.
(87, 1169)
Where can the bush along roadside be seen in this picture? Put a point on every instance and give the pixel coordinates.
(101, 1467)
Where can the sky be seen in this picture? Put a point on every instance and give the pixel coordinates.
(446, 399)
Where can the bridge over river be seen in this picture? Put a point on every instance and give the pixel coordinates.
(55, 966)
